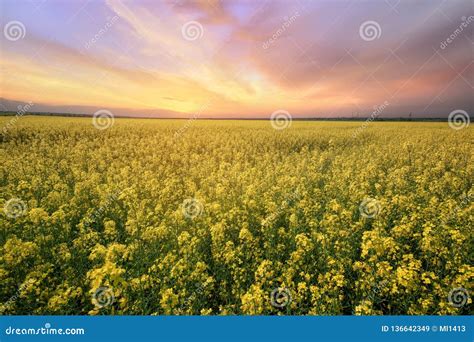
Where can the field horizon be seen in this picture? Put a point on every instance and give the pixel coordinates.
(194, 118)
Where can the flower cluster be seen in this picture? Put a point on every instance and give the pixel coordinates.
(104, 230)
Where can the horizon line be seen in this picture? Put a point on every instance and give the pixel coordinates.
(341, 118)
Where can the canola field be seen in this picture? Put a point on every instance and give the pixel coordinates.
(159, 217)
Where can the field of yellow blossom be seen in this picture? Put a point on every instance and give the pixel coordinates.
(235, 217)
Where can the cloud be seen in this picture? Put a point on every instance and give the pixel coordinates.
(251, 58)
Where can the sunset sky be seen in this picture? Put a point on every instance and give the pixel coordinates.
(238, 58)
